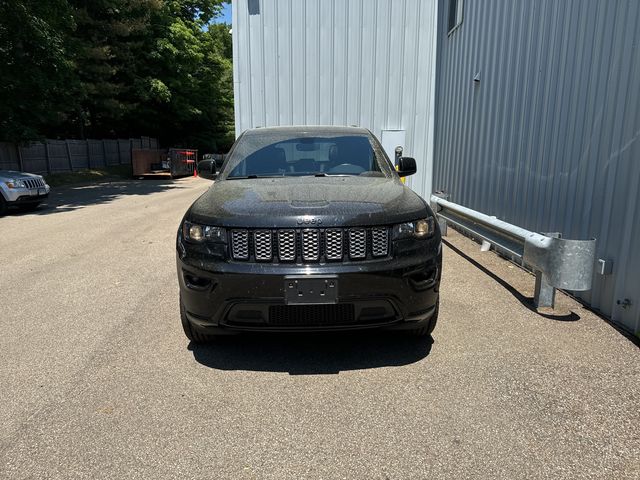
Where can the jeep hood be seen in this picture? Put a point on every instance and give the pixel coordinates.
(13, 174)
(289, 202)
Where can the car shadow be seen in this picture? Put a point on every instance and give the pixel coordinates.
(524, 300)
(312, 354)
(68, 198)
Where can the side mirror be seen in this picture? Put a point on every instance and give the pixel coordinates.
(406, 166)
(207, 169)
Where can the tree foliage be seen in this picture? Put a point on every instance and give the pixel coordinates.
(37, 78)
(105, 68)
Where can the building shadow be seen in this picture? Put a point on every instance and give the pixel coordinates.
(69, 198)
(312, 354)
(524, 300)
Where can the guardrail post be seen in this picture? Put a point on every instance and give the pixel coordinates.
(434, 206)
(544, 294)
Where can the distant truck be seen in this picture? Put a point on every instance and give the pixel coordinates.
(174, 162)
(182, 161)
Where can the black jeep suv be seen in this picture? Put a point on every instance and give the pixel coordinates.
(308, 229)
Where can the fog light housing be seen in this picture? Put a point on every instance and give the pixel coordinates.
(194, 282)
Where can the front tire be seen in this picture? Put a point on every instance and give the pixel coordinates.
(3, 205)
(191, 333)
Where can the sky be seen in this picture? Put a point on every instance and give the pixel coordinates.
(226, 14)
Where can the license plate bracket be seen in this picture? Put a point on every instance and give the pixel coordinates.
(306, 290)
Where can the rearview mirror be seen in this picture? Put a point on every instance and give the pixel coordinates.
(207, 169)
(307, 147)
(406, 166)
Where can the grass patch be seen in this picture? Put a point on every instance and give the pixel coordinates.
(116, 172)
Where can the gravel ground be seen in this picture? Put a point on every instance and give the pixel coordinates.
(98, 381)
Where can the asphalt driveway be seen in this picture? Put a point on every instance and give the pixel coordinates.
(98, 381)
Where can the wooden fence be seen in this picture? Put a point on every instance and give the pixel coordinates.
(54, 156)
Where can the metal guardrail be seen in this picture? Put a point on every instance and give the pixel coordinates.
(557, 262)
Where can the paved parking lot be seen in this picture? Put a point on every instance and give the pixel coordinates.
(98, 381)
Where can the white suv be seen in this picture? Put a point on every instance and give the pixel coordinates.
(21, 189)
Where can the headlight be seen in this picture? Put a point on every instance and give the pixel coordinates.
(196, 233)
(15, 184)
(423, 228)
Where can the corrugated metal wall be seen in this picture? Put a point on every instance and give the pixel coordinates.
(549, 138)
(339, 62)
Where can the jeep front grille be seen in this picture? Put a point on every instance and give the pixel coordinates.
(33, 182)
(240, 244)
(287, 245)
(379, 241)
(357, 243)
(310, 245)
(262, 242)
(333, 244)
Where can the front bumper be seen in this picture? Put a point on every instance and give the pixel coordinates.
(240, 297)
(19, 196)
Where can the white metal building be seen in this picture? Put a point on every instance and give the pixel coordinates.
(340, 62)
(527, 110)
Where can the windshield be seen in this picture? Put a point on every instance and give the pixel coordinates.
(280, 154)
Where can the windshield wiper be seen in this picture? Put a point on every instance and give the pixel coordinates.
(254, 176)
(322, 174)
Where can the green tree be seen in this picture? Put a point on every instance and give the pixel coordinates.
(105, 68)
(108, 44)
(37, 73)
(188, 88)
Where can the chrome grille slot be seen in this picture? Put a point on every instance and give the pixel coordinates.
(310, 244)
(263, 245)
(379, 241)
(33, 182)
(333, 244)
(357, 243)
(240, 244)
(287, 245)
